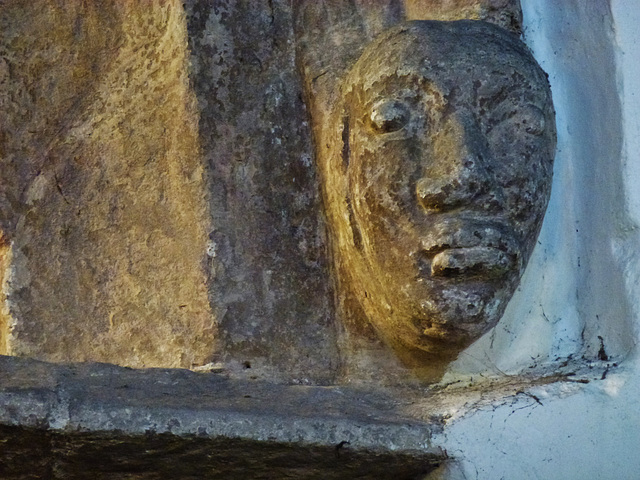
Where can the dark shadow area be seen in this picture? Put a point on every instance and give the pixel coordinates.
(76, 455)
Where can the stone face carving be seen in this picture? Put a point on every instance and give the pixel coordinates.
(437, 169)
(433, 146)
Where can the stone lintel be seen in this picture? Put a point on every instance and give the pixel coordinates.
(103, 421)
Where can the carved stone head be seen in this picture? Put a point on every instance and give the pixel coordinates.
(439, 174)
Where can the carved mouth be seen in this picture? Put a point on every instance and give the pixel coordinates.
(459, 248)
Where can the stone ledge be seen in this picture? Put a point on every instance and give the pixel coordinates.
(102, 421)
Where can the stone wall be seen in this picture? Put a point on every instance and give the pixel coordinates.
(146, 221)
(159, 197)
(103, 187)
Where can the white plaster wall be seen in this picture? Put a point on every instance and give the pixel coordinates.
(573, 291)
(584, 277)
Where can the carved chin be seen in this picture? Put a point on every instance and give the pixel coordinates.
(448, 319)
(459, 314)
(452, 291)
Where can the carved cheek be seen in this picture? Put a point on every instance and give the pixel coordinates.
(373, 183)
(523, 170)
(403, 162)
(380, 181)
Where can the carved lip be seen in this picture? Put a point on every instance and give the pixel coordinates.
(468, 248)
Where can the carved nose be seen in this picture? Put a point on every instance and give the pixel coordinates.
(464, 184)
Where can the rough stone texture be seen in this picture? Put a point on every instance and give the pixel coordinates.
(102, 193)
(270, 284)
(162, 172)
(506, 13)
(435, 151)
(173, 194)
(119, 206)
(527, 434)
(110, 422)
(5, 315)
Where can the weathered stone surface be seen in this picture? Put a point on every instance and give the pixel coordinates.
(102, 195)
(109, 422)
(577, 287)
(506, 13)
(165, 179)
(435, 151)
(147, 207)
(5, 315)
(270, 285)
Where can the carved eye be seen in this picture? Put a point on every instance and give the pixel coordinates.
(389, 116)
(531, 119)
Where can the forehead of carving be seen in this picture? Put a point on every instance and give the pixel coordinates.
(448, 54)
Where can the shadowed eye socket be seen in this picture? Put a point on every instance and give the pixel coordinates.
(389, 116)
(528, 118)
